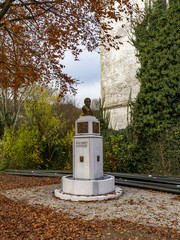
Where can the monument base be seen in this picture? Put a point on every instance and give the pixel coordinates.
(88, 190)
(59, 194)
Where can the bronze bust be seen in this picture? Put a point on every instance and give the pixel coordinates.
(86, 108)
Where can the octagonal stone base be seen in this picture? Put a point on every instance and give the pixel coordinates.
(64, 196)
(88, 190)
(98, 186)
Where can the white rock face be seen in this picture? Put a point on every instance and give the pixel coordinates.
(118, 76)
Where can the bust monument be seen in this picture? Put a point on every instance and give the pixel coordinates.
(87, 183)
(86, 108)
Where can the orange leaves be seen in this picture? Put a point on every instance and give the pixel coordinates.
(19, 220)
(34, 36)
(131, 201)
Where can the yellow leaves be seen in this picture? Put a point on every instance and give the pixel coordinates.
(35, 142)
(44, 138)
(36, 156)
(68, 166)
(57, 96)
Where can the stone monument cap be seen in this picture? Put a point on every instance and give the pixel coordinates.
(86, 125)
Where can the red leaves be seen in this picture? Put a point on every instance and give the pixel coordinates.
(35, 36)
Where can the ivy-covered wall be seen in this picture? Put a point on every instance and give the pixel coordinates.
(156, 112)
(157, 40)
(150, 144)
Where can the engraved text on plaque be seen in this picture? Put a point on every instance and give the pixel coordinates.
(82, 127)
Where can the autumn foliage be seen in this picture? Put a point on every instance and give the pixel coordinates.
(34, 36)
(19, 220)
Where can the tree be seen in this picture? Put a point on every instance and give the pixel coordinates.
(8, 108)
(38, 141)
(34, 36)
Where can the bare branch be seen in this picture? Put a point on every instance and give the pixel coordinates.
(34, 3)
(29, 11)
(12, 42)
(28, 17)
(20, 19)
(5, 8)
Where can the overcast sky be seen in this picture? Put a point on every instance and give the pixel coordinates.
(87, 70)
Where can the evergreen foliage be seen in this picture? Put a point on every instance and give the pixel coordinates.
(150, 144)
(157, 40)
(156, 112)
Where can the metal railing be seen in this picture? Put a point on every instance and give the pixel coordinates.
(153, 182)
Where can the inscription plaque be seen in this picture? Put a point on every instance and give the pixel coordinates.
(81, 144)
(98, 158)
(81, 159)
(95, 127)
(82, 127)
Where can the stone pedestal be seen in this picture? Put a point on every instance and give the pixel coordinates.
(88, 181)
(87, 157)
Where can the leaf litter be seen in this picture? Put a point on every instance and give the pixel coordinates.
(20, 220)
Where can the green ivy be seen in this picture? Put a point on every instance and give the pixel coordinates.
(157, 41)
(156, 112)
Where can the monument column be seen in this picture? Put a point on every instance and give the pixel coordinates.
(88, 181)
(87, 149)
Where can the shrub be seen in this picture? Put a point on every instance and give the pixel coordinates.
(156, 112)
(156, 38)
(38, 142)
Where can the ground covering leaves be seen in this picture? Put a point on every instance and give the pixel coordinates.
(19, 220)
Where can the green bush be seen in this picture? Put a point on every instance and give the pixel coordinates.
(41, 141)
(150, 144)
(21, 148)
(155, 128)
(157, 41)
(124, 152)
(119, 150)
(64, 157)
(162, 153)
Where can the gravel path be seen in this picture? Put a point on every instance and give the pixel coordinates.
(141, 206)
